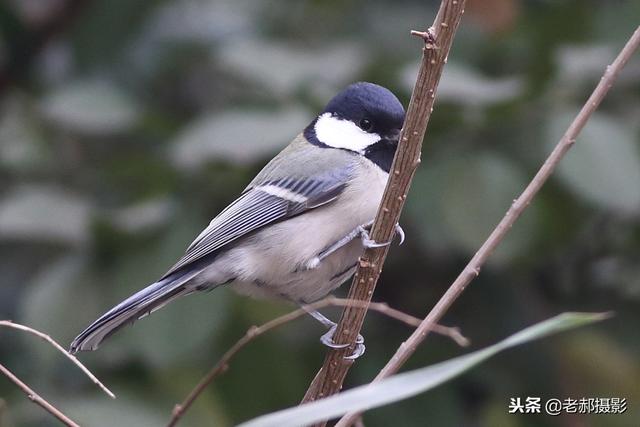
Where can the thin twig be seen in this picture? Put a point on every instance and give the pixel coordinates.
(382, 307)
(35, 398)
(437, 43)
(255, 331)
(47, 338)
(472, 269)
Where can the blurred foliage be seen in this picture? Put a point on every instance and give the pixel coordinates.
(127, 125)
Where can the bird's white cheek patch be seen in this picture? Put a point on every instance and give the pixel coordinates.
(339, 133)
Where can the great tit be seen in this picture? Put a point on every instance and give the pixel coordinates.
(298, 229)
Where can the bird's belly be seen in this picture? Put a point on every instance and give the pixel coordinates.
(273, 262)
(302, 285)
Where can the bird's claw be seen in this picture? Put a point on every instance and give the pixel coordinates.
(368, 242)
(327, 339)
(400, 233)
(358, 350)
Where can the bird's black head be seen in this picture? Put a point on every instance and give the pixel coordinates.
(364, 118)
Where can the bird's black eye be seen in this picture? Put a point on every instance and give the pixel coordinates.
(366, 125)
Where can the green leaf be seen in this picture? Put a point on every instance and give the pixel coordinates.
(578, 64)
(46, 305)
(604, 165)
(236, 137)
(285, 68)
(143, 215)
(463, 85)
(126, 410)
(91, 107)
(463, 196)
(44, 214)
(204, 22)
(405, 385)
(21, 145)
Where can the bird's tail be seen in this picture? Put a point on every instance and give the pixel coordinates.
(135, 307)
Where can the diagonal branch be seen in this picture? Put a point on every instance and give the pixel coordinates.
(255, 331)
(519, 205)
(438, 40)
(32, 395)
(47, 338)
(37, 399)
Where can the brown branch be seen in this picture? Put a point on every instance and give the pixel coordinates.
(58, 347)
(438, 40)
(35, 398)
(255, 331)
(519, 205)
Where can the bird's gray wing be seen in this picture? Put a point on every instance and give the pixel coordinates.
(266, 202)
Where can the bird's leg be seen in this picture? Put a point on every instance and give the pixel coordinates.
(327, 339)
(361, 231)
(316, 260)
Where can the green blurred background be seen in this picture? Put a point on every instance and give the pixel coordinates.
(126, 125)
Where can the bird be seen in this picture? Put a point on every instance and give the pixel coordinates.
(298, 229)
